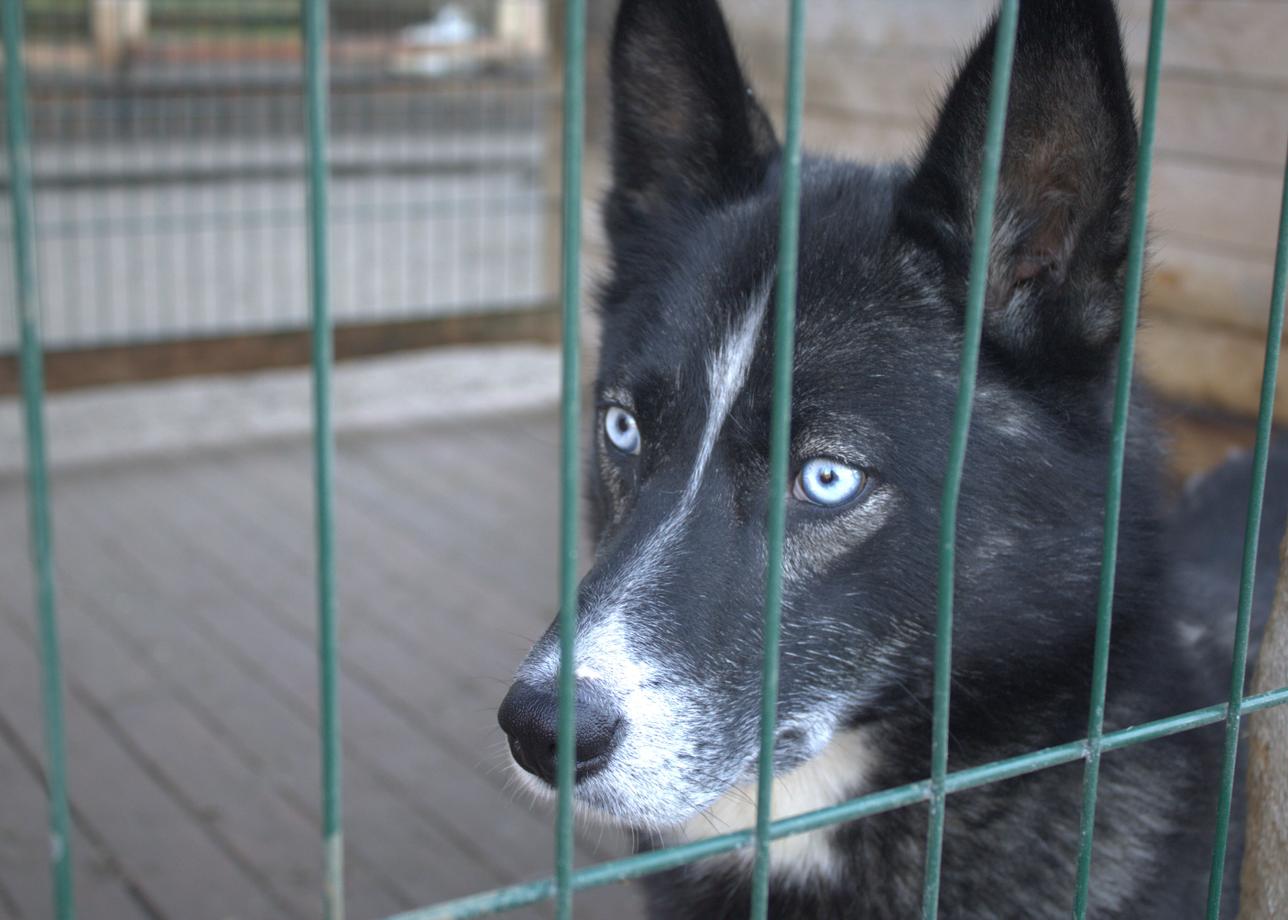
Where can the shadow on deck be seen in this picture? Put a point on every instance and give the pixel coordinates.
(187, 615)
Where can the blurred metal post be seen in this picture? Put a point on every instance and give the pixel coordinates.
(1248, 570)
(780, 425)
(990, 172)
(32, 374)
(315, 82)
(1117, 452)
(574, 116)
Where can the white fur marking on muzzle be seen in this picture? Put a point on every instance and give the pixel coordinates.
(650, 780)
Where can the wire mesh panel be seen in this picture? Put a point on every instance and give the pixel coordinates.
(169, 158)
(253, 166)
(942, 783)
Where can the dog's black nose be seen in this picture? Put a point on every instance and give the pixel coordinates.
(529, 716)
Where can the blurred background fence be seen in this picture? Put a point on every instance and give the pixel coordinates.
(168, 157)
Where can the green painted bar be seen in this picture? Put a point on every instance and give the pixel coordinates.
(491, 902)
(1118, 446)
(32, 383)
(315, 81)
(780, 431)
(1003, 57)
(574, 102)
(1265, 421)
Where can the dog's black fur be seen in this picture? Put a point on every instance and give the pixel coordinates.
(692, 217)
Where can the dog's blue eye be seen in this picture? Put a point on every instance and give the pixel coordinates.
(827, 482)
(621, 430)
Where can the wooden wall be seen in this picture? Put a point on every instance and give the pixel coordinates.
(875, 70)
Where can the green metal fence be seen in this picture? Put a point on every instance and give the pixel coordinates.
(942, 782)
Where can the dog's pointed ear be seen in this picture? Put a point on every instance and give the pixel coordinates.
(686, 128)
(1054, 296)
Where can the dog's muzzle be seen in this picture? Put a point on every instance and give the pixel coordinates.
(529, 716)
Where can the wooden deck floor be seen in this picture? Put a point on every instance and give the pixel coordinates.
(187, 615)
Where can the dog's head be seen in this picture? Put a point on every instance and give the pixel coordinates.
(669, 636)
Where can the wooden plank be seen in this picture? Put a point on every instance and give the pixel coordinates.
(1199, 115)
(101, 891)
(79, 368)
(382, 589)
(190, 763)
(1202, 364)
(170, 553)
(187, 740)
(421, 506)
(182, 569)
(272, 739)
(1227, 37)
(1231, 207)
(432, 665)
(386, 707)
(1219, 288)
(24, 840)
(870, 139)
(410, 569)
(1221, 121)
(1236, 210)
(426, 553)
(883, 23)
(166, 855)
(1213, 239)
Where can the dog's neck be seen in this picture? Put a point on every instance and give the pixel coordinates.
(841, 771)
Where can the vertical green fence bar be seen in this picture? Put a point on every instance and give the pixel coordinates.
(574, 98)
(780, 425)
(1003, 56)
(1117, 449)
(315, 102)
(1265, 420)
(32, 374)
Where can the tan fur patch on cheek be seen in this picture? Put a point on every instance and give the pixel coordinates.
(840, 771)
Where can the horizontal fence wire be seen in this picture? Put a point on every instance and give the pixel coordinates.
(315, 24)
(1247, 579)
(1117, 451)
(780, 425)
(606, 873)
(574, 77)
(990, 171)
(32, 385)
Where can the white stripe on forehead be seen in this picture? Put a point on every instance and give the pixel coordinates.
(603, 651)
(726, 375)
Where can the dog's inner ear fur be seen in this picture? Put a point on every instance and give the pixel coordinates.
(686, 128)
(1060, 227)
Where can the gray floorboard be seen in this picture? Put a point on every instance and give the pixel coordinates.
(186, 589)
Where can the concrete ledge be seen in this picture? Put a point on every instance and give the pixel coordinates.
(174, 417)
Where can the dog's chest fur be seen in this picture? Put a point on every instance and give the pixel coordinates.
(840, 771)
(1019, 837)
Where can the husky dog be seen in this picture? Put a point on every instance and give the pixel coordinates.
(669, 618)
